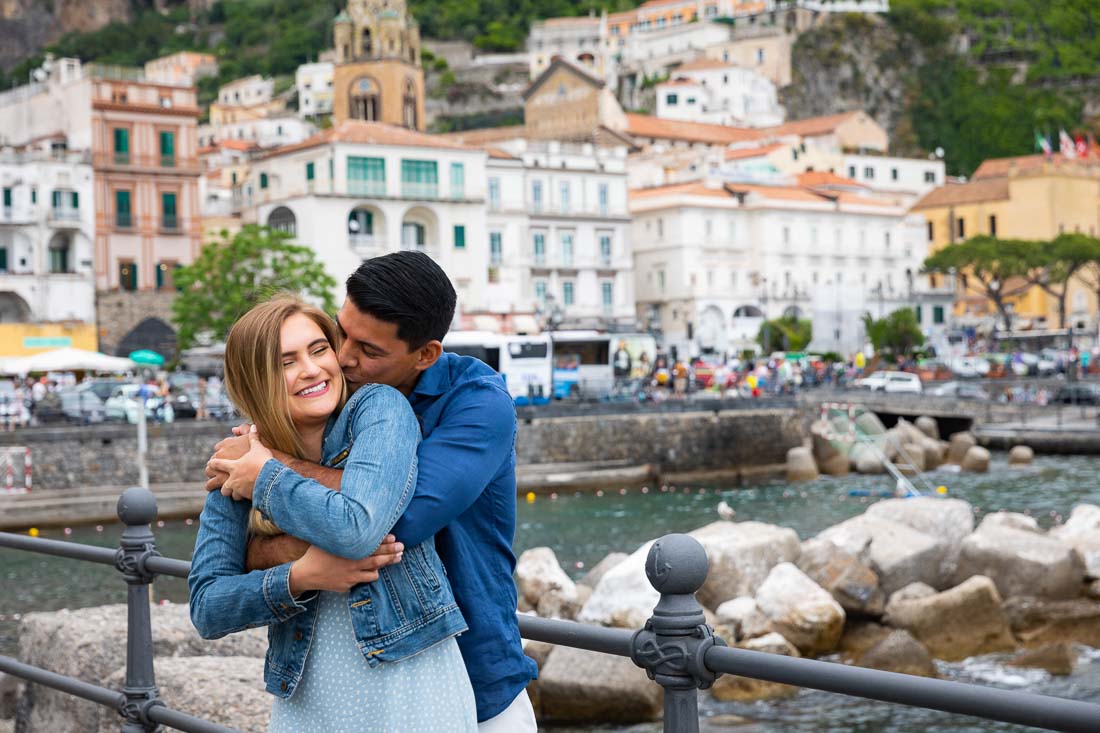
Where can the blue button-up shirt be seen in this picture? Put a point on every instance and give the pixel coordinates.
(466, 496)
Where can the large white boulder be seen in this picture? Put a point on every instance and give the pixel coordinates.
(801, 610)
(624, 596)
(949, 520)
(745, 617)
(1021, 455)
(928, 426)
(539, 575)
(1038, 621)
(976, 460)
(592, 577)
(1010, 520)
(961, 622)
(741, 554)
(576, 685)
(847, 576)
(1082, 532)
(1021, 562)
(801, 465)
(960, 444)
(899, 554)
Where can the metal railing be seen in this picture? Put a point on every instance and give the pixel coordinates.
(676, 647)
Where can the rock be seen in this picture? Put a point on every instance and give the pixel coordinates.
(800, 465)
(1021, 562)
(822, 446)
(960, 444)
(1038, 621)
(745, 617)
(1020, 455)
(837, 465)
(949, 520)
(933, 455)
(729, 687)
(538, 574)
(1093, 590)
(558, 605)
(899, 652)
(90, 644)
(958, 623)
(911, 592)
(928, 426)
(801, 610)
(859, 636)
(582, 686)
(1009, 520)
(11, 689)
(623, 597)
(899, 554)
(592, 577)
(741, 554)
(868, 463)
(1082, 532)
(538, 651)
(846, 576)
(912, 460)
(224, 690)
(976, 460)
(1058, 659)
(910, 433)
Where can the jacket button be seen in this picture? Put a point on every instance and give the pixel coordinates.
(298, 636)
(283, 686)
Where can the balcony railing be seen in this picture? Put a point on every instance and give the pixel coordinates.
(365, 244)
(64, 215)
(366, 188)
(6, 213)
(148, 162)
(411, 190)
(167, 161)
(124, 220)
(169, 224)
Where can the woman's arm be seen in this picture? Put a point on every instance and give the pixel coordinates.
(377, 484)
(224, 598)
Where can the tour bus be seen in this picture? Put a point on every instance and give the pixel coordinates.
(523, 361)
(590, 364)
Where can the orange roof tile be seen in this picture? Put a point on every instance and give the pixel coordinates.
(758, 152)
(993, 189)
(500, 154)
(483, 135)
(813, 125)
(242, 145)
(694, 188)
(999, 167)
(655, 127)
(371, 133)
(825, 178)
(703, 64)
(680, 83)
(786, 193)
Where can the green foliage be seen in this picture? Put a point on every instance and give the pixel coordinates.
(897, 334)
(787, 333)
(500, 35)
(995, 268)
(498, 118)
(231, 276)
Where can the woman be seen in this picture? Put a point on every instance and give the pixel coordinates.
(371, 657)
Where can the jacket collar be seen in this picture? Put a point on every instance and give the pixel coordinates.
(435, 380)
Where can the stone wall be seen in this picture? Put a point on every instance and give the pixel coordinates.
(119, 311)
(104, 455)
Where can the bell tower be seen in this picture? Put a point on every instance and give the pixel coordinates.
(378, 76)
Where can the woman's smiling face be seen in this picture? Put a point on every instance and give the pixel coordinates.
(311, 369)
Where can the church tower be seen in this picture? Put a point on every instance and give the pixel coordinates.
(378, 75)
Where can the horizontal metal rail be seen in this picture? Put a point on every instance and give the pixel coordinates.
(73, 550)
(108, 698)
(1007, 706)
(578, 636)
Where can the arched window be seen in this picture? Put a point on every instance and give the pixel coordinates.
(365, 102)
(282, 220)
(409, 106)
(365, 46)
(748, 311)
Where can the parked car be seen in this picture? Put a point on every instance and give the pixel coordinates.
(872, 382)
(1032, 365)
(902, 383)
(1078, 394)
(958, 390)
(125, 404)
(969, 367)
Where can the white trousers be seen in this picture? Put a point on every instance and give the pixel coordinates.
(519, 717)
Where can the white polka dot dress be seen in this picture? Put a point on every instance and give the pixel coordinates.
(341, 693)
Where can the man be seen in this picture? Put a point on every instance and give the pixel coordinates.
(397, 310)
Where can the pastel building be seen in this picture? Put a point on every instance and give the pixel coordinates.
(314, 83)
(716, 92)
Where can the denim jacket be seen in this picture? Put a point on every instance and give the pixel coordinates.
(408, 609)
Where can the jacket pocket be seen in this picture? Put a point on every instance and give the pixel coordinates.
(421, 561)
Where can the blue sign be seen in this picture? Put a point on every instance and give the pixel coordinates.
(46, 342)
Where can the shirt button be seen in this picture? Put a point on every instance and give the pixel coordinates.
(298, 636)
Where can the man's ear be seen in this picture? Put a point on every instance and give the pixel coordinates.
(429, 355)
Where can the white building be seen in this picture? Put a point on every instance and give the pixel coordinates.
(314, 82)
(559, 235)
(47, 231)
(713, 259)
(705, 90)
(265, 131)
(364, 189)
(247, 91)
(911, 177)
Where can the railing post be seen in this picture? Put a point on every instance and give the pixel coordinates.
(137, 508)
(675, 639)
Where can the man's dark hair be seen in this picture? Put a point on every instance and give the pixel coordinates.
(408, 289)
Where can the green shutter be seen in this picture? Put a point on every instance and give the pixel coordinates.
(7, 197)
(4, 259)
(168, 211)
(76, 200)
(167, 149)
(309, 171)
(263, 180)
(123, 216)
(122, 145)
(55, 199)
(460, 236)
(160, 275)
(34, 195)
(366, 176)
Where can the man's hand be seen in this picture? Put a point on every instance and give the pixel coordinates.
(243, 471)
(319, 570)
(229, 449)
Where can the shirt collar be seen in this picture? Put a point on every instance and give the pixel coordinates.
(435, 380)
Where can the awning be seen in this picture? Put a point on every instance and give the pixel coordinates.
(66, 360)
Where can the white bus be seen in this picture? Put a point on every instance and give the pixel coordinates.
(522, 361)
(592, 364)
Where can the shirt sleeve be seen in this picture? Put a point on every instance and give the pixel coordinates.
(378, 481)
(475, 435)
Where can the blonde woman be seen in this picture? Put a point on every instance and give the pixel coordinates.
(343, 656)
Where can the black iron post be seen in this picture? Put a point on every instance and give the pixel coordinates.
(674, 641)
(137, 508)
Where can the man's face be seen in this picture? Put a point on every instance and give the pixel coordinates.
(372, 352)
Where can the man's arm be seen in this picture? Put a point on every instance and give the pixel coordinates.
(458, 460)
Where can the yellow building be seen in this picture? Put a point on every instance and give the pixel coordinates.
(24, 339)
(378, 76)
(1029, 197)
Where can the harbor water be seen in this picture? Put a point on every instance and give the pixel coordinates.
(584, 527)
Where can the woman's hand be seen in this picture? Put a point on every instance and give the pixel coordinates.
(243, 471)
(319, 570)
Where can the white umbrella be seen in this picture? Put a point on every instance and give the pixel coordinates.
(66, 360)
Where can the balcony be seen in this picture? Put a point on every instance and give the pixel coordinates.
(167, 161)
(123, 220)
(149, 163)
(64, 217)
(411, 190)
(170, 224)
(367, 188)
(367, 245)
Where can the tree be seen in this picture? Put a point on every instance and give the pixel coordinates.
(788, 332)
(995, 268)
(1055, 263)
(1089, 274)
(898, 333)
(232, 275)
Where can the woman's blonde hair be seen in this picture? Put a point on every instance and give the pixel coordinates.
(255, 382)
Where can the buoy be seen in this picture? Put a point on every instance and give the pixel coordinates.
(68, 530)
(189, 521)
(33, 531)
(160, 522)
(99, 528)
(645, 489)
(941, 490)
(599, 492)
(622, 492)
(530, 497)
(553, 495)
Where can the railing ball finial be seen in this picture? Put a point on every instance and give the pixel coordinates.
(676, 565)
(137, 506)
